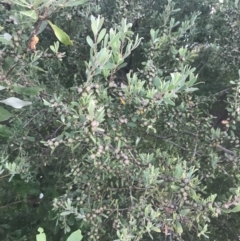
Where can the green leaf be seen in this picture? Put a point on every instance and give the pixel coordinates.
(236, 3)
(101, 35)
(90, 42)
(42, 27)
(169, 101)
(8, 63)
(76, 146)
(5, 131)
(131, 124)
(91, 108)
(192, 80)
(30, 138)
(94, 26)
(37, 3)
(179, 228)
(109, 66)
(106, 40)
(65, 213)
(184, 212)
(152, 34)
(175, 187)
(60, 34)
(53, 49)
(146, 211)
(22, 3)
(157, 82)
(236, 209)
(175, 24)
(73, 3)
(75, 236)
(191, 89)
(178, 171)
(15, 102)
(40, 69)
(27, 90)
(4, 114)
(176, 10)
(93, 139)
(158, 230)
(30, 13)
(6, 38)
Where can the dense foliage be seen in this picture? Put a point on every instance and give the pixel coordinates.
(120, 119)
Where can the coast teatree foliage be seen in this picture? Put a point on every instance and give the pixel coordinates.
(119, 120)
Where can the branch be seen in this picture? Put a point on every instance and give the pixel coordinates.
(225, 150)
(8, 205)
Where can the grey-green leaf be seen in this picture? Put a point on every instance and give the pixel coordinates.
(30, 13)
(236, 209)
(15, 102)
(101, 35)
(4, 114)
(91, 108)
(73, 3)
(90, 42)
(27, 90)
(75, 236)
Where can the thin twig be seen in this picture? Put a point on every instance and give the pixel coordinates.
(183, 148)
(4, 176)
(89, 190)
(33, 118)
(195, 149)
(225, 150)
(161, 137)
(8, 205)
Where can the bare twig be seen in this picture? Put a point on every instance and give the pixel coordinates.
(10, 204)
(4, 176)
(33, 118)
(225, 150)
(195, 149)
(183, 148)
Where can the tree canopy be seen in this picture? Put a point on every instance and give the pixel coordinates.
(119, 120)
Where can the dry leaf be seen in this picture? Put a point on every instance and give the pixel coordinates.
(122, 101)
(33, 42)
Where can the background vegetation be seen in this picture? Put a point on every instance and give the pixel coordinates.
(120, 118)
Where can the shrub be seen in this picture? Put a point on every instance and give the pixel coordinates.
(120, 141)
